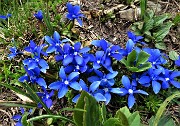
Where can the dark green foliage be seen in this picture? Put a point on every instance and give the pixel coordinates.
(137, 62)
(154, 28)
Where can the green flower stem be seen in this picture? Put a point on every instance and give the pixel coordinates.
(50, 116)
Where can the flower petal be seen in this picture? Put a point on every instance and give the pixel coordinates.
(68, 59)
(141, 92)
(131, 100)
(175, 84)
(62, 91)
(56, 85)
(79, 60)
(49, 103)
(111, 75)
(73, 75)
(56, 36)
(99, 97)
(126, 82)
(75, 86)
(75, 99)
(41, 82)
(116, 90)
(62, 73)
(144, 80)
(49, 40)
(94, 86)
(156, 86)
(108, 97)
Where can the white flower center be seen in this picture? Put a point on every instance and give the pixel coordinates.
(66, 82)
(130, 91)
(57, 44)
(75, 53)
(106, 89)
(167, 79)
(98, 61)
(65, 56)
(154, 62)
(77, 67)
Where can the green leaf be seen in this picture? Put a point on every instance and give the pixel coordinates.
(162, 32)
(161, 45)
(112, 122)
(163, 107)
(122, 118)
(173, 55)
(125, 111)
(17, 104)
(134, 119)
(144, 67)
(92, 114)
(148, 25)
(176, 20)
(133, 69)
(142, 58)
(123, 61)
(49, 116)
(143, 6)
(103, 113)
(131, 58)
(158, 20)
(24, 119)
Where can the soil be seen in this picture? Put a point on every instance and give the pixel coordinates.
(112, 28)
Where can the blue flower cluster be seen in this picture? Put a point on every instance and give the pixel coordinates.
(82, 68)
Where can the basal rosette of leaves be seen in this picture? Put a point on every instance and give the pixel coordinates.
(95, 69)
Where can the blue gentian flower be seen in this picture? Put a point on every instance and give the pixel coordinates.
(151, 77)
(155, 57)
(169, 78)
(177, 62)
(98, 96)
(101, 79)
(36, 61)
(46, 97)
(5, 17)
(14, 52)
(55, 43)
(33, 76)
(65, 82)
(74, 13)
(99, 60)
(35, 49)
(39, 15)
(109, 49)
(134, 38)
(130, 90)
(18, 117)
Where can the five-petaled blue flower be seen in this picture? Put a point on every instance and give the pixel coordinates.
(152, 76)
(55, 43)
(169, 78)
(46, 97)
(39, 15)
(130, 89)
(74, 13)
(65, 82)
(5, 17)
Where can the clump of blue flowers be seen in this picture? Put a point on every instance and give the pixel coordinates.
(94, 71)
